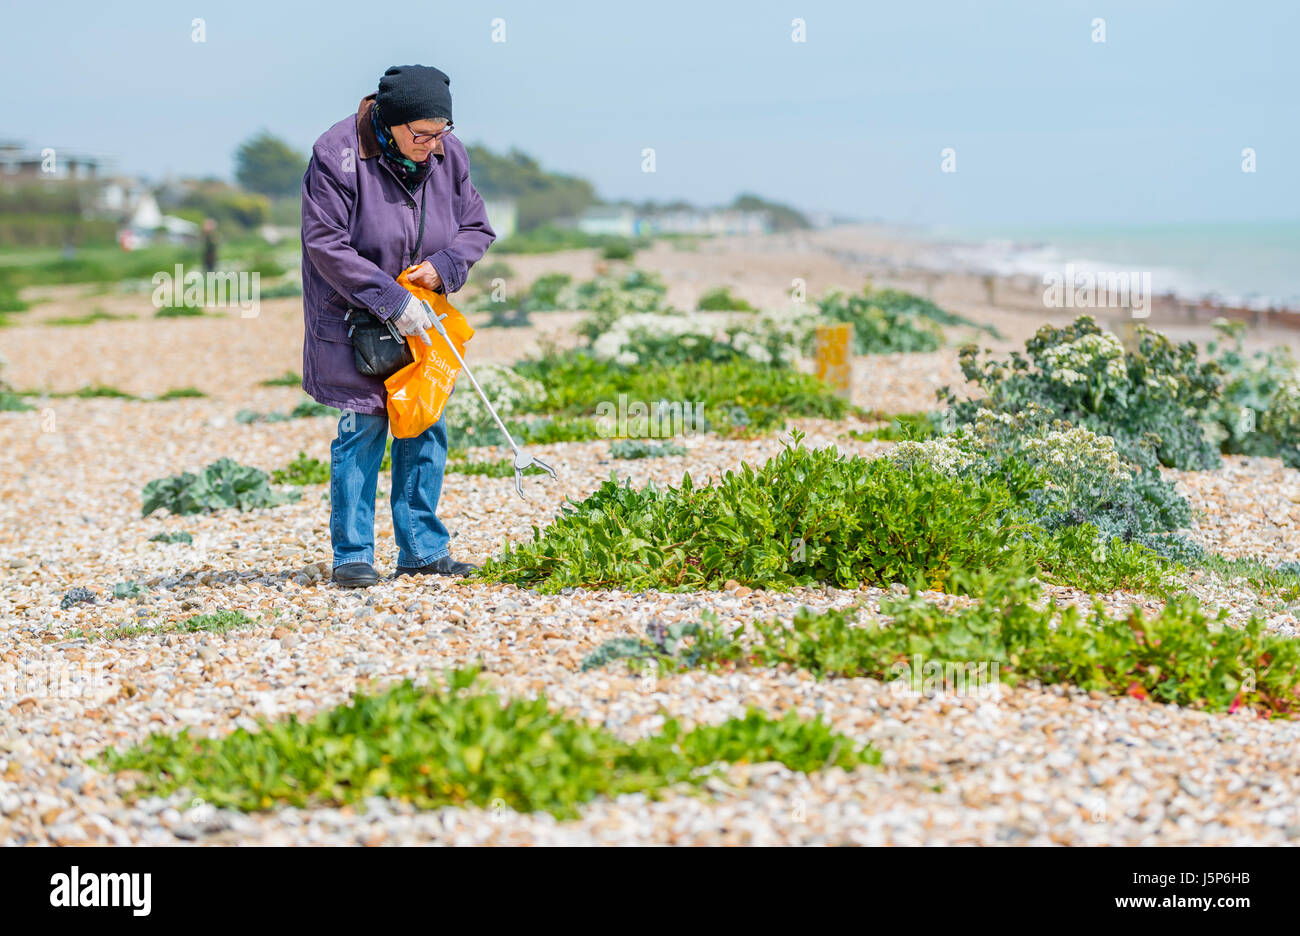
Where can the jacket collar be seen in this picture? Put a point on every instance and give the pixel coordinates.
(368, 142)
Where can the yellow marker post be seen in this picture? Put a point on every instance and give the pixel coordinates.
(1126, 330)
(834, 356)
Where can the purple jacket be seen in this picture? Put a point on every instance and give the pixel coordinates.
(358, 229)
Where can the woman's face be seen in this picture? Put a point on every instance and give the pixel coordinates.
(405, 135)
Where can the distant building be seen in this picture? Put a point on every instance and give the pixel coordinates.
(21, 164)
(723, 221)
(619, 220)
(627, 222)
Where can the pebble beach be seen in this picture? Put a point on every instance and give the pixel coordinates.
(1032, 766)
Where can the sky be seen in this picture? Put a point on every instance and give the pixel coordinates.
(1047, 125)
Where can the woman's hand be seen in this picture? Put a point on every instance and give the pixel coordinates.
(425, 275)
(414, 320)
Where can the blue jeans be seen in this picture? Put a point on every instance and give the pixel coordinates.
(418, 463)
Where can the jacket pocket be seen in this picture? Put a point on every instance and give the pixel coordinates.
(329, 325)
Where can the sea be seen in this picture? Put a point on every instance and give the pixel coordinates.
(1252, 265)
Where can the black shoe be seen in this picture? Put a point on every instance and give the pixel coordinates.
(355, 575)
(444, 566)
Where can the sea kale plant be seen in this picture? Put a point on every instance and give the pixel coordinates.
(640, 448)
(1085, 480)
(774, 337)
(779, 337)
(511, 394)
(224, 483)
(1259, 411)
(884, 320)
(668, 649)
(630, 323)
(606, 299)
(509, 308)
(1153, 400)
(1281, 423)
(660, 338)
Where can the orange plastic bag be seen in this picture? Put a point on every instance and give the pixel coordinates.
(419, 391)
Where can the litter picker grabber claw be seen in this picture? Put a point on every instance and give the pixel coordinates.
(522, 460)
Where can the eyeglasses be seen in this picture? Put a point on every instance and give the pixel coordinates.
(426, 137)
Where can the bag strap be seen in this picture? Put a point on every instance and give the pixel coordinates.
(415, 255)
(419, 237)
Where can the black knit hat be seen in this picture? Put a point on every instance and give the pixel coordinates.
(413, 92)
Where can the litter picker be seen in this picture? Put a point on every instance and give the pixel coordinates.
(522, 460)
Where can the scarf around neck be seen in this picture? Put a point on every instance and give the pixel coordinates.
(412, 173)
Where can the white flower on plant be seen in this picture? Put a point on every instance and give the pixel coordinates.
(1162, 382)
(1074, 448)
(942, 455)
(769, 337)
(640, 328)
(509, 392)
(747, 344)
(1072, 362)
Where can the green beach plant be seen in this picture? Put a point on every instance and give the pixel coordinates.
(302, 471)
(881, 322)
(810, 516)
(639, 448)
(1177, 655)
(1151, 400)
(461, 745)
(221, 485)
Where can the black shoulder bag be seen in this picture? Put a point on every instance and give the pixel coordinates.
(378, 348)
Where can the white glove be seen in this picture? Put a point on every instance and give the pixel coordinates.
(414, 320)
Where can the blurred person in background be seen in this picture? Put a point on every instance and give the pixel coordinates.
(209, 245)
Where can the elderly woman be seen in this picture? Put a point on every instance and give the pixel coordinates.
(385, 190)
